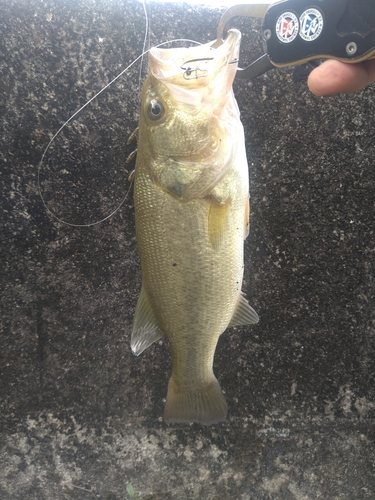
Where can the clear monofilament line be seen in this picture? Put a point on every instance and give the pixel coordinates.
(72, 117)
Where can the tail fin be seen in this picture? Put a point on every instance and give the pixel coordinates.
(205, 404)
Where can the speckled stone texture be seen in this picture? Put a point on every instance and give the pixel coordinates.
(81, 417)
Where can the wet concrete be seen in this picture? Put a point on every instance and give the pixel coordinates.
(81, 417)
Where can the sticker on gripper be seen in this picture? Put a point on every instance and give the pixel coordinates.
(287, 27)
(311, 25)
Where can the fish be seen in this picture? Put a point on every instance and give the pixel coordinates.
(191, 199)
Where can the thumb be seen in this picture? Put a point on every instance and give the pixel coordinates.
(333, 77)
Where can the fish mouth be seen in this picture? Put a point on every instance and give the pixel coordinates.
(197, 67)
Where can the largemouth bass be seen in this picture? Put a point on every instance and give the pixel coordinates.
(192, 216)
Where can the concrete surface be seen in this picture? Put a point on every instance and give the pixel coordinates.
(80, 415)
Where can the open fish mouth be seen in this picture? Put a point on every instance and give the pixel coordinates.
(185, 69)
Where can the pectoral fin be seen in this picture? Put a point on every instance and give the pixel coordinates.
(244, 314)
(217, 223)
(145, 330)
(246, 221)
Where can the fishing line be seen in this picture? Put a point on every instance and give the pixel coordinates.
(39, 183)
(147, 34)
(71, 118)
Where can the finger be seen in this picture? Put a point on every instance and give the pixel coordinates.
(333, 77)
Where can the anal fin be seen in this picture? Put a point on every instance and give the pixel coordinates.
(244, 314)
(145, 329)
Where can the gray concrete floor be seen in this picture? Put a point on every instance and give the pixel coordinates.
(81, 417)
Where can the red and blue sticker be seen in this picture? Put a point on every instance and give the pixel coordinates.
(309, 26)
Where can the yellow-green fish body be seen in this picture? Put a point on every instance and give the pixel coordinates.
(192, 211)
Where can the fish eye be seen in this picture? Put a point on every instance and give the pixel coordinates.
(155, 110)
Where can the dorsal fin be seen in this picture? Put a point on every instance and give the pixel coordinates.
(145, 329)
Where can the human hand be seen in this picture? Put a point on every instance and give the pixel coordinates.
(334, 77)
